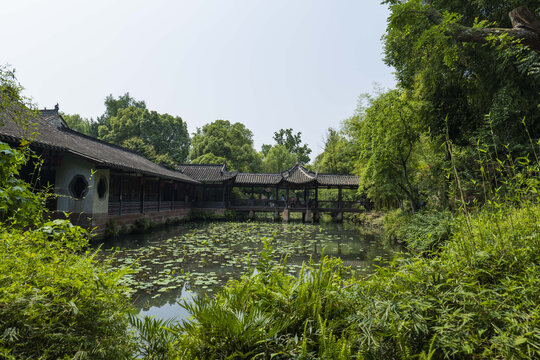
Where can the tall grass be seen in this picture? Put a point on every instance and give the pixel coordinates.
(477, 298)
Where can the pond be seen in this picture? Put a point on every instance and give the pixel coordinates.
(176, 263)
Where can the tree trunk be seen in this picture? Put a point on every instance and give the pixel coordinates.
(525, 28)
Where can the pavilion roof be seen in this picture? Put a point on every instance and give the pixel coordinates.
(296, 176)
(49, 131)
(258, 179)
(207, 173)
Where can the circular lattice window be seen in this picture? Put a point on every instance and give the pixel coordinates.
(78, 187)
(102, 187)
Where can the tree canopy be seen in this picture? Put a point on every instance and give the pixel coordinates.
(338, 155)
(164, 134)
(278, 159)
(221, 141)
(293, 143)
(127, 122)
(463, 81)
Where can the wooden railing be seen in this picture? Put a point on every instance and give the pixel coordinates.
(297, 204)
(134, 207)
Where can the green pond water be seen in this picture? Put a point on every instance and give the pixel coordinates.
(174, 264)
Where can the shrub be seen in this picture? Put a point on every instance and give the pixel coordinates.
(112, 229)
(55, 300)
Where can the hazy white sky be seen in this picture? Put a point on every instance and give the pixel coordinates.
(269, 64)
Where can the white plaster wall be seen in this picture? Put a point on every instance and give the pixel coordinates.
(71, 167)
(101, 206)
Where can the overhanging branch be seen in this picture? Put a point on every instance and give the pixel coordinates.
(525, 28)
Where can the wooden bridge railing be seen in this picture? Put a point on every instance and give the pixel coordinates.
(297, 204)
(134, 207)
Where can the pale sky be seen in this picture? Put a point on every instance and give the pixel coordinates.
(269, 64)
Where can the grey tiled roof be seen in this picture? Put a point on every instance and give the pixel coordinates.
(207, 173)
(257, 179)
(297, 175)
(338, 180)
(52, 133)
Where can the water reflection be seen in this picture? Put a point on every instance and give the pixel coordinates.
(193, 260)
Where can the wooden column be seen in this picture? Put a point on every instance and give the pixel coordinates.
(316, 210)
(142, 194)
(173, 194)
(121, 191)
(223, 195)
(340, 205)
(159, 195)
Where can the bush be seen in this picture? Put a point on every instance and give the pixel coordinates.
(423, 231)
(273, 315)
(55, 300)
(112, 229)
(395, 224)
(426, 231)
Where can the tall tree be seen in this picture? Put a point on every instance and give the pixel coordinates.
(293, 143)
(278, 159)
(223, 140)
(463, 81)
(337, 156)
(387, 140)
(78, 123)
(112, 106)
(166, 135)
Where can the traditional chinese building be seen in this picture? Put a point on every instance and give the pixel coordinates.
(96, 182)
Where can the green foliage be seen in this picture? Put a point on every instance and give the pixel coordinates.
(157, 338)
(55, 300)
(338, 155)
(272, 315)
(463, 82)
(112, 106)
(292, 143)
(424, 231)
(19, 205)
(389, 142)
(278, 159)
(78, 123)
(154, 135)
(223, 140)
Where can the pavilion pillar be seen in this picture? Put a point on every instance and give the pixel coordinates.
(173, 194)
(307, 216)
(223, 195)
(159, 196)
(121, 191)
(316, 207)
(339, 216)
(142, 194)
(287, 202)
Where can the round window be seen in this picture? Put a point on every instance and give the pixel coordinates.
(78, 186)
(102, 187)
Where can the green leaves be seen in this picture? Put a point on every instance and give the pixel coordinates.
(223, 140)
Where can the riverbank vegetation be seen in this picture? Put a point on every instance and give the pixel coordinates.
(452, 156)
